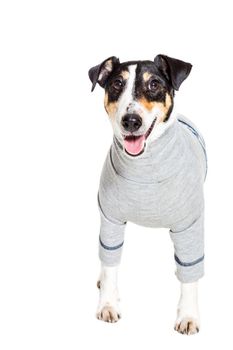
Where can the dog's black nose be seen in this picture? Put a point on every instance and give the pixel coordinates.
(131, 122)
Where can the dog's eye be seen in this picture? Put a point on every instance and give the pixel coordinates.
(153, 85)
(117, 84)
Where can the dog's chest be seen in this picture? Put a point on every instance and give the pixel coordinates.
(159, 204)
(159, 190)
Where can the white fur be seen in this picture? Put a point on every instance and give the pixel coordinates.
(124, 102)
(109, 298)
(160, 127)
(108, 290)
(188, 304)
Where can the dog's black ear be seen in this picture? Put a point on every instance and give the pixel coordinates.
(175, 71)
(99, 74)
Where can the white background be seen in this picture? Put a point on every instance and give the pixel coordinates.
(54, 136)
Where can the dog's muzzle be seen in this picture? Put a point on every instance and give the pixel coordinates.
(133, 144)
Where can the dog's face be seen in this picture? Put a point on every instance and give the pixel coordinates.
(139, 97)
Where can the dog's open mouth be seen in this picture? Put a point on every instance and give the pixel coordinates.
(135, 145)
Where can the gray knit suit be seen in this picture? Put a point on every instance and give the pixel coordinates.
(161, 188)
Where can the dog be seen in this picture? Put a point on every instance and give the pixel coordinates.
(153, 176)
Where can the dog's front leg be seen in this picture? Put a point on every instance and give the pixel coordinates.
(108, 308)
(187, 314)
(111, 242)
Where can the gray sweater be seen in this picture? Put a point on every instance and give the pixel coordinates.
(161, 188)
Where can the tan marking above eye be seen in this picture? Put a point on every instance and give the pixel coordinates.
(147, 76)
(110, 107)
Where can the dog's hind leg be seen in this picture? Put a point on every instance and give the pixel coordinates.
(189, 257)
(108, 308)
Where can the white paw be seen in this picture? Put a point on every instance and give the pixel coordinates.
(108, 314)
(108, 308)
(187, 325)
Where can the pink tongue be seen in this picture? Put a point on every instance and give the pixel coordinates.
(134, 145)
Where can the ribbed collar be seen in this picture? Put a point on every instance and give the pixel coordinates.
(162, 159)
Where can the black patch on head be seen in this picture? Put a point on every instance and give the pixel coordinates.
(167, 74)
(161, 86)
(142, 87)
(114, 94)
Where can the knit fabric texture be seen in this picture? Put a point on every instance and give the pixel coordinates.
(161, 188)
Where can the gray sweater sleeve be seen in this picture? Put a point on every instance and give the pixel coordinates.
(111, 239)
(189, 251)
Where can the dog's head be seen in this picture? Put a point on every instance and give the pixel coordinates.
(139, 97)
